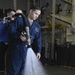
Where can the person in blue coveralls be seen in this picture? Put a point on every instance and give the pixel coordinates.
(17, 49)
(4, 38)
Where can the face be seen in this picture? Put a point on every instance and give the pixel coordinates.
(34, 14)
(12, 13)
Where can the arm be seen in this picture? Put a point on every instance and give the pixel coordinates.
(39, 44)
(16, 28)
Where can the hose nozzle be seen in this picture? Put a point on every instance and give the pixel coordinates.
(28, 35)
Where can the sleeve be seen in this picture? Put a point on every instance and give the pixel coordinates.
(14, 29)
(39, 41)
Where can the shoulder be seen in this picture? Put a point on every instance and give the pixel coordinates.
(37, 27)
(37, 24)
(18, 19)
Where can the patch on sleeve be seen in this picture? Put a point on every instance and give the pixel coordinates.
(36, 29)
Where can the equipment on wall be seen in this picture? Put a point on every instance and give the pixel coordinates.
(43, 8)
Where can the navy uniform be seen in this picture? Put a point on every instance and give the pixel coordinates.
(3, 43)
(17, 49)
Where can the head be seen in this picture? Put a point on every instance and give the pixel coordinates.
(34, 13)
(19, 11)
(10, 13)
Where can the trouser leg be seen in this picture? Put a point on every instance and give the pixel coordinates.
(3, 48)
(15, 61)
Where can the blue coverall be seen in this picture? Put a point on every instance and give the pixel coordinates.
(3, 43)
(3, 32)
(17, 50)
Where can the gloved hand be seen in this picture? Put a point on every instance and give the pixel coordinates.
(23, 33)
(23, 36)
